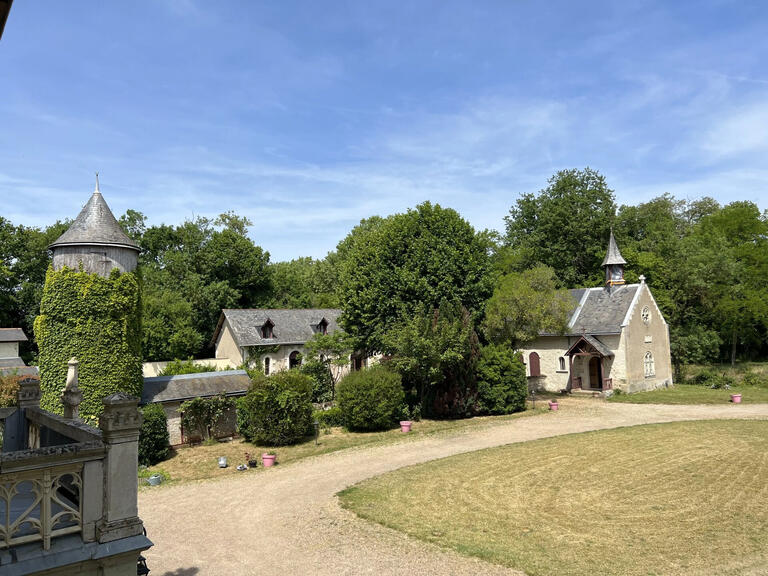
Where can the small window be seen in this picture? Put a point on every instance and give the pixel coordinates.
(645, 314)
(323, 326)
(294, 360)
(267, 362)
(562, 363)
(533, 361)
(648, 365)
(266, 330)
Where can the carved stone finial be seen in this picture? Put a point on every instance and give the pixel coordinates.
(97, 183)
(29, 392)
(71, 396)
(121, 420)
(642, 279)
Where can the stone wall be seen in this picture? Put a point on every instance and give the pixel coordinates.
(95, 259)
(651, 337)
(9, 349)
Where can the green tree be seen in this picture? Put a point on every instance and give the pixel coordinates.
(332, 351)
(435, 352)
(525, 305)
(565, 226)
(390, 267)
(502, 386)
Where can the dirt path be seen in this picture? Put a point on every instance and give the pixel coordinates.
(287, 520)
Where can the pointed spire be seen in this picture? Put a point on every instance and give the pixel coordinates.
(613, 256)
(95, 226)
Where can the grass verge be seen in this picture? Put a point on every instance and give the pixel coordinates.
(200, 462)
(681, 498)
(690, 394)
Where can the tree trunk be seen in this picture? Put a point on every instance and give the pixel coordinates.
(733, 347)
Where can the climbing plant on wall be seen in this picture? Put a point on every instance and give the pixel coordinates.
(96, 320)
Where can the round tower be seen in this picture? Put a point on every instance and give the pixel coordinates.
(95, 240)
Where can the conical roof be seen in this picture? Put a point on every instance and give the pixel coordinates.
(96, 226)
(613, 256)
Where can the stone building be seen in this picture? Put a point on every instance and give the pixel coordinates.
(10, 361)
(96, 241)
(171, 391)
(617, 338)
(274, 338)
(68, 492)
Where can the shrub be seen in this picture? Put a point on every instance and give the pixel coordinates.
(712, 379)
(370, 399)
(753, 379)
(277, 409)
(329, 418)
(9, 387)
(502, 386)
(202, 414)
(188, 366)
(322, 381)
(153, 437)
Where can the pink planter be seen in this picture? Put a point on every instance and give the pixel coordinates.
(553, 405)
(405, 425)
(736, 398)
(268, 460)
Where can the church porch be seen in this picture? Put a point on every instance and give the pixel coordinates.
(589, 362)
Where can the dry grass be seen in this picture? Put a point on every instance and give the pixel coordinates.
(682, 498)
(200, 462)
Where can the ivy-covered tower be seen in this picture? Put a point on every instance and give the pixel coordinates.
(91, 310)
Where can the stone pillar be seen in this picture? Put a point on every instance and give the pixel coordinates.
(120, 423)
(71, 395)
(28, 396)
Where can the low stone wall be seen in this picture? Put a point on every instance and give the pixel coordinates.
(152, 369)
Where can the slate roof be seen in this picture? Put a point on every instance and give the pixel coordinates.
(95, 225)
(291, 325)
(12, 335)
(613, 256)
(187, 386)
(601, 311)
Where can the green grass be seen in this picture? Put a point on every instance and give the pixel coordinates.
(681, 498)
(200, 462)
(689, 394)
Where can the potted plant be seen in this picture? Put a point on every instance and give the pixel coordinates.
(268, 459)
(251, 460)
(405, 418)
(736, 398)
(405, 425)
(553, 405)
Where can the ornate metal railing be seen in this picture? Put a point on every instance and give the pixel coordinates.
(37, 505)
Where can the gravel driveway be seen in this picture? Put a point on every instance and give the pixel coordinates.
(287, 521)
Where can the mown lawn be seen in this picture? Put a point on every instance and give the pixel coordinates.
(690, 394)
(681, 498)
(200, 462)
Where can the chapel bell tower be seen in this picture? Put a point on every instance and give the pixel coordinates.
(613, 264)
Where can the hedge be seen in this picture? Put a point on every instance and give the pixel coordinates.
(153, 437)
(502, 386)
(277, 410)
(370, 399)
(98, 321)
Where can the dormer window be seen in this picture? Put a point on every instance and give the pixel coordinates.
(323, 326)
(267, 329)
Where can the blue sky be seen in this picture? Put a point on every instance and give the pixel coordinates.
(308, 116)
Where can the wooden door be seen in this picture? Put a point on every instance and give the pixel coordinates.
(595, 373)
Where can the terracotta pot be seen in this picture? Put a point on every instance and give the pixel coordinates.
(736, 398)
(405, 425)
(268, 460)
(553, 405)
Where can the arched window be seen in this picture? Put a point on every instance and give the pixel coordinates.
(648, 365)
(562, 363)
(266, 365)
(535, 364)
(294, 360)
(645, 314)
